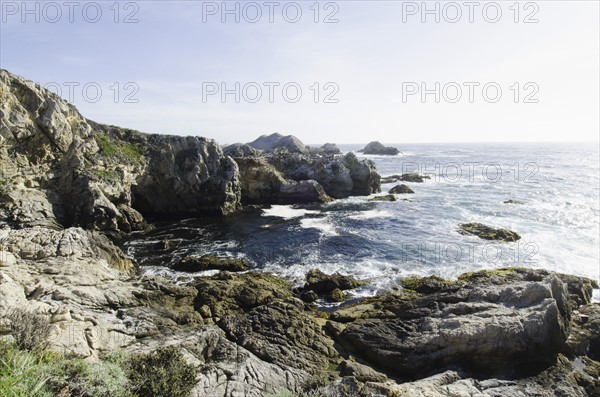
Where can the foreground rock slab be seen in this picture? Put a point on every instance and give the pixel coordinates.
(523, 324)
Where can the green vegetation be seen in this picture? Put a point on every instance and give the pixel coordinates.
(163, 373)
(22, 373)
(108, 174)
(81, 378)
(124, 151)
(30, 331)
(426, 285)
(487, 274)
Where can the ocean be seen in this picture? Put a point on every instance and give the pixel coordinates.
(558, 217)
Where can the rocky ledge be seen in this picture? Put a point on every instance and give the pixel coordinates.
(491, 333)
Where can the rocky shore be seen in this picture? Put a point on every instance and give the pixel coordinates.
(70, 185)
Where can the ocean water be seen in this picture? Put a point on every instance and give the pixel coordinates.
(382, 242)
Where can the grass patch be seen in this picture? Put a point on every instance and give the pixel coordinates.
(129, 152)
(426, 285)
(107, 174)
(22, 373)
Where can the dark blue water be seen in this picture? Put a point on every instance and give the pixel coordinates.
(381, 242)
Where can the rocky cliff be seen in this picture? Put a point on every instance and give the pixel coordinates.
(60, 169)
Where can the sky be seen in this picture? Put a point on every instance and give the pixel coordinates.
(326, 71)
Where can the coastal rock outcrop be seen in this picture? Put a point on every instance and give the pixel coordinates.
(75, 172)
(264, 177)
(378, 148)
(523, 323)
(262, 183)
(329, 286)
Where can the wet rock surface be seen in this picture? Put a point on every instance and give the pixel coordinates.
(193, 264)
(401, 189)
(487, 232)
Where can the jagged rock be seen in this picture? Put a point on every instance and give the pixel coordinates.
(236, 293)
(269, 143)
(261, 183)
(186, 176)
(522, 323)
(365, 177)
(240, 150)
(208, 262)
(329, 286)
(401, 189)
(584, 339)
(339, 176)
(61, 170)
(282, 334)
(379, 149)
(487, 232)
(302, 192)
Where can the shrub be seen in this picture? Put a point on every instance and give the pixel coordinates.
(162, 373)
(31, 331)
(79, 378)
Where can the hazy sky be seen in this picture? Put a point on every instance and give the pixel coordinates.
(361, 75)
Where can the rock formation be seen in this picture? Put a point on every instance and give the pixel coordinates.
(378, 148)
(74, 172)
(269, 143)
(488, 232)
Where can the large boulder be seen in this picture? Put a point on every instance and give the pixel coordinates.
(262, 183)
(186, 176)
(519, 317)
(378, 148)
